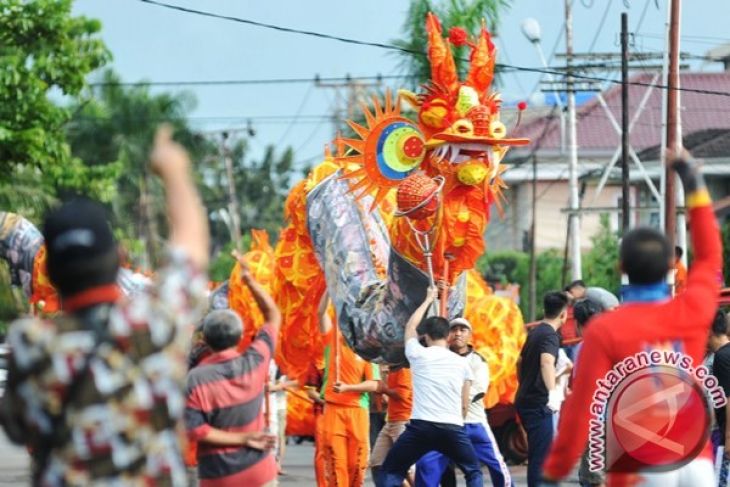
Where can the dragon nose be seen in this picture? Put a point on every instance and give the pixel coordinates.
(472, 173)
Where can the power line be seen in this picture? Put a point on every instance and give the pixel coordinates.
(310, 136)
(641, 18)
(411, 51)
(713, 41)
(514, 74)
(695, 37)
(285, 118)
(600, 26)
(269, 81)
(538, 142)
(277, 27)
(305, 98)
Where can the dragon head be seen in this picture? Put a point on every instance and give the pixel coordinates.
(458, 134)
(460, 120)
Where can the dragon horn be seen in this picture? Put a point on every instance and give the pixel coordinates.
(481, 71)
(443, 69)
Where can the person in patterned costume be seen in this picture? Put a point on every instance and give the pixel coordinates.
(96, 392)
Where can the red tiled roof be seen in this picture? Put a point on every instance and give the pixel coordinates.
(596, 134)
(707, 144)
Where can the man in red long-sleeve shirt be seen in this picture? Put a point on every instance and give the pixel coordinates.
(649, 320)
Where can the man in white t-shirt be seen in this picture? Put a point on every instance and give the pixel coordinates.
(431, 467)
(441, 387)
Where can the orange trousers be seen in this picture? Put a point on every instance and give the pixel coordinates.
(346, 445)
(319, 460)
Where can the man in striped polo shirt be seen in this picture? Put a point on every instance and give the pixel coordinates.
(225, 393)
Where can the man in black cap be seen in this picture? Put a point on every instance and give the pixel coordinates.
(96, 393)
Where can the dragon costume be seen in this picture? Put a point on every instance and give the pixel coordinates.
(356, 223)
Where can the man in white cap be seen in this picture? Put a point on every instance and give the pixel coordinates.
(432, 465)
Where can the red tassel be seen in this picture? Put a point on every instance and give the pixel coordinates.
(521, 106)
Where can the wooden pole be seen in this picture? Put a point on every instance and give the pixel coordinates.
(674, 139)
(336, 331)
(574, 237)
(625, 190)
(444, 311)
(532, 310)
(233, 207)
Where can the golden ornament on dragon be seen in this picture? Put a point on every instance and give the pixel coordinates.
(402, 203)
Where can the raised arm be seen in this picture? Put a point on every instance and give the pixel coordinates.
(325, 323)
(417, 316)
(703, 281)
(188, 221)
(264, 301)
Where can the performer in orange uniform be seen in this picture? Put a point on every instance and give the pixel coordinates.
(400, 401)
(345, 424)
(313, 386)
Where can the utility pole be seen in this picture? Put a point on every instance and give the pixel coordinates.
(625, 190)
(354, 91)
(149, 225)
(233, 208)
(674, 137)
(532, 309)
(574, 216)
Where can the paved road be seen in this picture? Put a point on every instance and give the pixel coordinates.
(14, 464)
(297, 464)
(299, 470)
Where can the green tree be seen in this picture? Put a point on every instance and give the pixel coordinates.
(507, 266)
(43, 50)
(600, 264)
(115, 129)
(467, 14)
(725, 229)
(514, 267)
(261, 188)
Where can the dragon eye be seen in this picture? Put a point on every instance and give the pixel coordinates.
(497, 129)
(463, 127)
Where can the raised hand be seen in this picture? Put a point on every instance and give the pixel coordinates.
(245, 268)
(167, 156)
(687, 168)
(432, 294)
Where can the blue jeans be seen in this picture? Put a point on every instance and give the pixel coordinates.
(432, 465)
(538, 422)
(421, 437)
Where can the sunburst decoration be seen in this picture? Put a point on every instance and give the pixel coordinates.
(387, 151)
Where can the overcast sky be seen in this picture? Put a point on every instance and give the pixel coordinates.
(152, 43)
